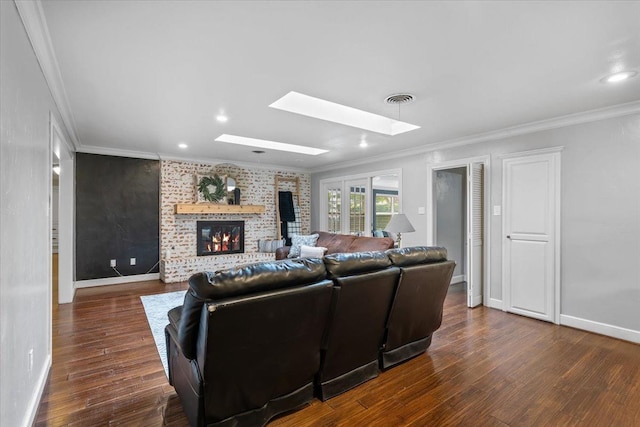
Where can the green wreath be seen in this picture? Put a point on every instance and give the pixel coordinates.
(217, 183)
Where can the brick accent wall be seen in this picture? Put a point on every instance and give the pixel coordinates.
(178, 231)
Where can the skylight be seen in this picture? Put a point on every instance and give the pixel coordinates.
(272, 145)
(306, 105)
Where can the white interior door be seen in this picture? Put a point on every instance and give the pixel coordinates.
(530, 222)
(475, 233)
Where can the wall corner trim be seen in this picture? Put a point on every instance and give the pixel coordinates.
(600, 328)
(34, 403)
(35, 24)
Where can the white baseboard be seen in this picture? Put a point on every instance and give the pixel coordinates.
(601, 328)
(34, 403)
(458, 279)
(494, 303)
(116, 280)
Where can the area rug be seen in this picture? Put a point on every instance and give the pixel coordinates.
(156, 308)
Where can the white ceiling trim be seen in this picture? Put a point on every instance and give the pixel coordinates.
(246, 165)
(37, 30)
(539, 126)
(90, 149)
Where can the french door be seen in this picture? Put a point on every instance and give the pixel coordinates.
(348, 207)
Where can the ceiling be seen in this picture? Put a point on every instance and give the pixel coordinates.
(143, 76)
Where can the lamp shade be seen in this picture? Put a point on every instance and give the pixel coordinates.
(399, 224)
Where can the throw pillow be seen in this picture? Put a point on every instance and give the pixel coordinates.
(297, 240)
(312, 251)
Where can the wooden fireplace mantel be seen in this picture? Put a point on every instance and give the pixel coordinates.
(212, 208)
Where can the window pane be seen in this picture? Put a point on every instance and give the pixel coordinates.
(357, 211)
(334, 204)
(386, 206)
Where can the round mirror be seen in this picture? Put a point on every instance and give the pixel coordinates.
(231, 184)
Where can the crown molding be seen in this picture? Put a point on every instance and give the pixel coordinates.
(246, 165)
(92, 149)
(118, 152)
(538, 126)
(35, 24)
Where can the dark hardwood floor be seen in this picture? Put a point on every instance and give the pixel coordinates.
(484, 368)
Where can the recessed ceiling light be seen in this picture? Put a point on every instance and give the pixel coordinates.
(363, 144)
(182, 145)
(222, 118)
(261, 143)
(618, 77)
(306, 105)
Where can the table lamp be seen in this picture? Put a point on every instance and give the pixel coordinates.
(399, 224)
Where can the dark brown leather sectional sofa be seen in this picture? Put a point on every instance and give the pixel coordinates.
(341, 243)
(255, 341)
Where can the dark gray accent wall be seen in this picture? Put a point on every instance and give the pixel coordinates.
(117, 215)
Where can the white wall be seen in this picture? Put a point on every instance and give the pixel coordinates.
(25, 252)
(600, 281)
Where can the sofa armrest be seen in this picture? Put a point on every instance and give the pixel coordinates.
(283, 252)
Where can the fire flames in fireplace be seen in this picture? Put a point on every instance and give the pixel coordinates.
(220, 237)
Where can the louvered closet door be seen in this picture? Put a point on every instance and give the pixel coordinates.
(475, 234)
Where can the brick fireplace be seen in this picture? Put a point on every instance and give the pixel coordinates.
(179, 231)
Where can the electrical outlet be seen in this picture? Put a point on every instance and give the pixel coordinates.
(132, 261)
(112, 263)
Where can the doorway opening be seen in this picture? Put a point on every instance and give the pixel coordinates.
(450, 214)
(62, 200)
(55, 202)
(456, 195)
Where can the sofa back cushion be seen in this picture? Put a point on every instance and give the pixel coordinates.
(404, 257)
(364, 243)
(334, 243)
(338, 243)
(252, 278)
(238, 281)
(349, 264)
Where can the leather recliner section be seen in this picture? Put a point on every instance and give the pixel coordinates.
(364, 287)
(418, 303)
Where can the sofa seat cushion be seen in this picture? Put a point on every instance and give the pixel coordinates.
(349, 264)
(404, 257)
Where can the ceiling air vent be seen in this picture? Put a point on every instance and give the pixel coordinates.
(399, 98)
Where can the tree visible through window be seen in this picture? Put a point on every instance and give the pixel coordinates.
(387, 204)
